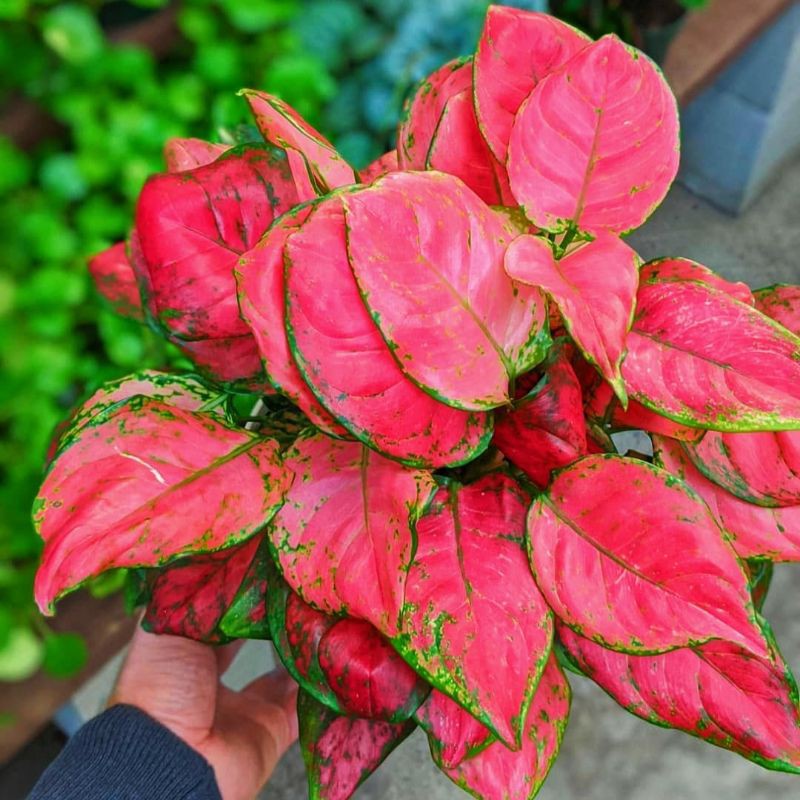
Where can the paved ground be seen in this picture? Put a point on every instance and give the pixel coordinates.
(608, 754)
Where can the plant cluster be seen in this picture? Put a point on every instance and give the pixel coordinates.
(395, 457)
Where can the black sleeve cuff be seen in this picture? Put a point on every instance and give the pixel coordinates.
(125, 754)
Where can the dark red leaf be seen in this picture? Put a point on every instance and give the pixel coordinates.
(114, 278)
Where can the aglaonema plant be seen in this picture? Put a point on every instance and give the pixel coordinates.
(395, 459)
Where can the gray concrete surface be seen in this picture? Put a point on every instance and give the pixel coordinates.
(608, 754)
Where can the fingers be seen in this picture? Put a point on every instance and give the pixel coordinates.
(278, 689)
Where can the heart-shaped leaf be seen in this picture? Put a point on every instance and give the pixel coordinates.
(497, 772)
(260, 279)
(453, 733)
(761, 468)
(471, 603)
(343, 539)
(756, 532)
(367, 675)
(283, 127)
(145, 483)
(349, 367)
(546, 428)
(676, 270)
(630, 557)
(192, 227)
(781, 303)
(182, 154)
(114, 278)
(428, 257)
(379, 167)
(594, 288)
(424, 110)
(595, 145)
(190, 597)
(516, 50)
(340, 753)
(701, 358)
(718, 691)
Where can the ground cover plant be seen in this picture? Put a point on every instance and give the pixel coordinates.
(395, 455)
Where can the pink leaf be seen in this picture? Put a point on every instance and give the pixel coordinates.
(453, 733)
(379, 167)
(350, 369)
(594, 288)
(498, 773)
(343, 538)
(471, 604)
(516, 50)
(283, 127)
(145, 483)
(428, 258)
(630, 558)
(113, 276)
(755, 531)
(676, 270)
(717, 691)
(233, 360)
(546, 429)
(340, 753)
(183, 154)
(260, 279)
(423, 112)
(595, 145)
(367, 675)
(781, 303)
(701, 358)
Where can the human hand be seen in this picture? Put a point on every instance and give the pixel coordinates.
(241, 734)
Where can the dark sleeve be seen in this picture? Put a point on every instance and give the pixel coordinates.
(125, 754)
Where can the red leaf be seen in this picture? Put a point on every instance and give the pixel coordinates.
(424, 110)
(350, 369)
(453, 733)
(343, 539)
(246, 617)
(428, 258)
(677, 270)
(190, 598)
(594, 288)
(630, 558)
(114, 278)
(182, 154)
(498, 773)
(340, 753)
(379, 167)
(761, 468)
(232, 360)
(546, 429)
(701, 358)
(367, 675)
(145, 483)
(283, 127)
(756, 532)
(471, 604)
(260, 279)
(194, 225)
(516, 50)
(717, 691)
(595, 145)
(781, 303)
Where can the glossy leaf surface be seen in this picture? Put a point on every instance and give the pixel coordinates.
(498, 773)
(182, 154)
(174, 483)
(594, 288)
(282, 126)
(717, 691)
(595, 145)
(428, 258)
(339, 752)
(546, 429)
(516, 50)
(700, 357)
(115, 280)
(343, 538)
(349, 367)
(630, 558)
(471, 603)
(781, 303)
(677, 270)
